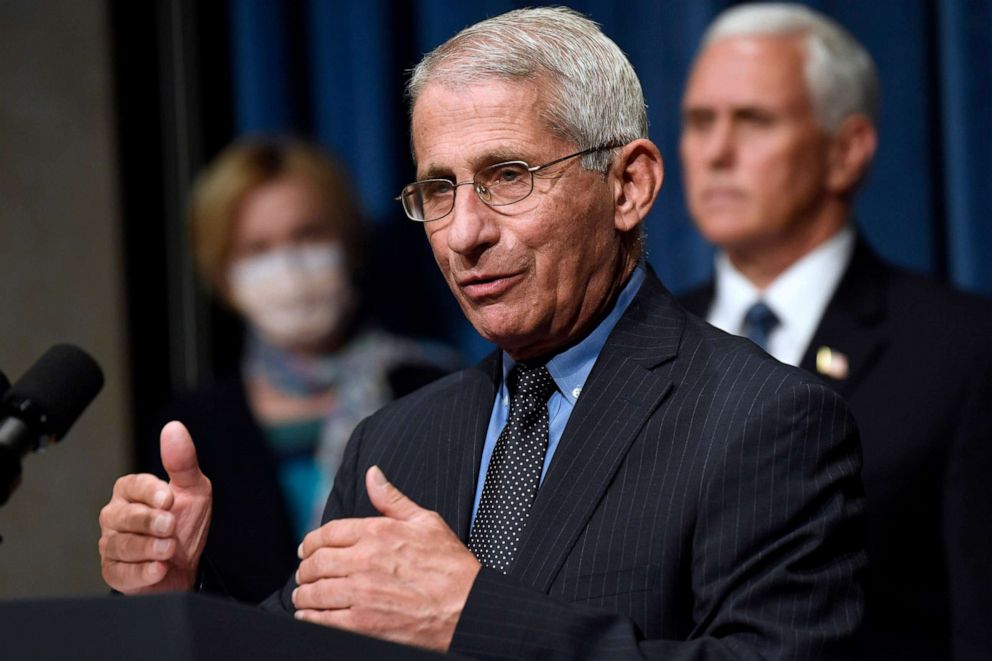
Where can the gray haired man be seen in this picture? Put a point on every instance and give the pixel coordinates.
(779, 131)
(619, 479)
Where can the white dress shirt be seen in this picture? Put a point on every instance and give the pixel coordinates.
(798, 296)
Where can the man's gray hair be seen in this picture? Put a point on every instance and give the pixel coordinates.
(840, 73)
(595, 96)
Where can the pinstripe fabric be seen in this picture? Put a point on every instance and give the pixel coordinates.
(919, 384)
(704, 502)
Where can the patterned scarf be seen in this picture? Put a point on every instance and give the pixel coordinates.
(358, 374)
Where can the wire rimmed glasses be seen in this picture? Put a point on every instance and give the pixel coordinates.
(496, 185)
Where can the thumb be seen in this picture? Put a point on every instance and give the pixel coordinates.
(387, 499)
(179, 457)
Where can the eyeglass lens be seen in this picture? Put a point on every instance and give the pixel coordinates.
(496, 185)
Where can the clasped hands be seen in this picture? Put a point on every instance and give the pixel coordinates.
(403, 576)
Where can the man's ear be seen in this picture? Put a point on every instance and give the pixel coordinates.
(638, 173)
(851, 151)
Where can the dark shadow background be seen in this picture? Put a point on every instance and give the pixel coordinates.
(191, 76)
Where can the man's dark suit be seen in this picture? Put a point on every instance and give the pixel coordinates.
(920, 388)
(703, 502)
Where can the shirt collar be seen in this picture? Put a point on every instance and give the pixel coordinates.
(801, 293)
(734, 295)
(798, 296)
(571, 368)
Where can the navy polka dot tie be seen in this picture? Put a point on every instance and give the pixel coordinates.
(514, 470)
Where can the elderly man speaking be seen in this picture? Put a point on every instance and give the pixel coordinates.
(619, 479)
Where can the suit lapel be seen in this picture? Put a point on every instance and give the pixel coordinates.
(459, 445)
(622, 391)
(854, 323)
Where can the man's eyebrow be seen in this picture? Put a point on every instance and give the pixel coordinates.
(697, 111)
(435, 171)
(438, 171)
(756, 113)
(501, 156)
(744, 111)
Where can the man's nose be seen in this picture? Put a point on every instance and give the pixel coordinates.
(472, 225)
(719, 144)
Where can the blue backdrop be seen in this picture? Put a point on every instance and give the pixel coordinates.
(334, 70)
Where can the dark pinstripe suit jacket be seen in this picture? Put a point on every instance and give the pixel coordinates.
(704, 502)
(920, 388)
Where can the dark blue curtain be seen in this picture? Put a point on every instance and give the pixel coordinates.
(334, 70)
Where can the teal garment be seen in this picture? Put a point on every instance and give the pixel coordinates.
(294, 446)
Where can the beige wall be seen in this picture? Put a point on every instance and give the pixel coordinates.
(60, 279)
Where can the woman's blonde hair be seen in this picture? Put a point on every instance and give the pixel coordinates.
(220, 190)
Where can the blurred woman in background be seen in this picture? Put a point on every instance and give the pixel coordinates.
(277, 236)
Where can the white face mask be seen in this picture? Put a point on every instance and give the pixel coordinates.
(295, 297)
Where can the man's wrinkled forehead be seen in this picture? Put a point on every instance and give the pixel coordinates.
(542, 107)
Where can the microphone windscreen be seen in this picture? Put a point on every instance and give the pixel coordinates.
(61, 384)
(4, 384)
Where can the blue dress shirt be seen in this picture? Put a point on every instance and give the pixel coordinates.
(569, 369)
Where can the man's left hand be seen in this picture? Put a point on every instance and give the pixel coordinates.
(403, 576)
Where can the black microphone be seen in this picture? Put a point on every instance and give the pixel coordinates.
(39, 409)
(4, 384)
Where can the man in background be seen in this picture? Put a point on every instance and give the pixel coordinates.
(778, 133)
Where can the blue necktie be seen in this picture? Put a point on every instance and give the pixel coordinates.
(759, 322)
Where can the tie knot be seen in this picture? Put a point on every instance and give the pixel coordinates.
(760, 321)
(526, 381)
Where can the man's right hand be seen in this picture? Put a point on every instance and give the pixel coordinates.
(153, 532)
